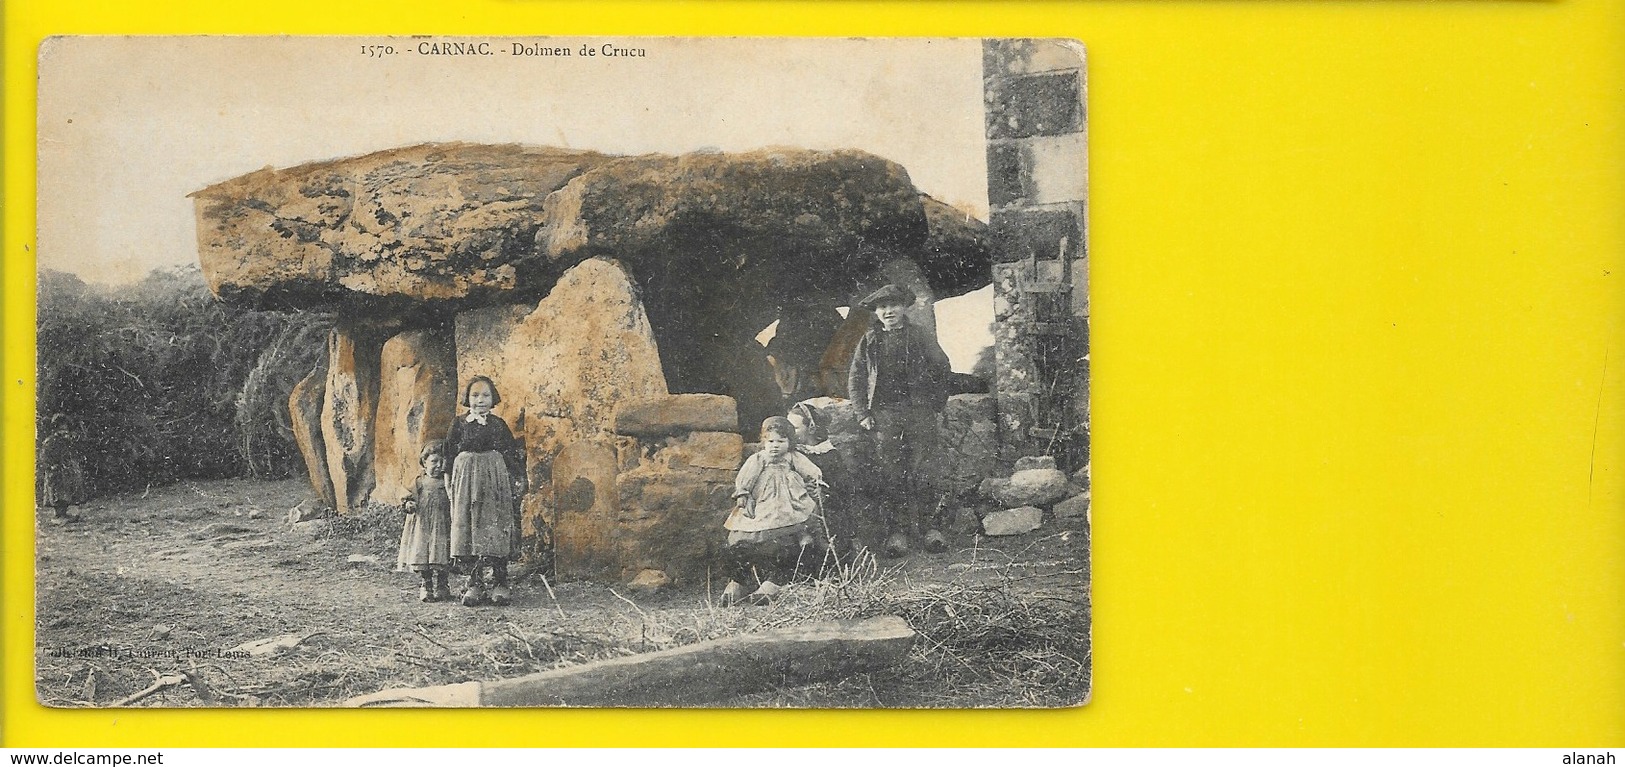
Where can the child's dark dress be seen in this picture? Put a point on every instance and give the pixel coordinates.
(483, 515)
(767, 545)
(426, 541)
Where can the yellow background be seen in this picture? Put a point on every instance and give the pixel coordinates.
(1358, 289)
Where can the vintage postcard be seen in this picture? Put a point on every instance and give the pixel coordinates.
(606, 372)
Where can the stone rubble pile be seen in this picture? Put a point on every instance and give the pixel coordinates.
(1036, 488)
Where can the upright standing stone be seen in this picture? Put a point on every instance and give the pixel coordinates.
(586, 539)
(673, 500)
(561, 368)
(305, 416)
(837, 359)
(417, 399)
(348, 406)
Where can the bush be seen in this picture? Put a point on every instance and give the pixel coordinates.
(158, 379)
(264, 428)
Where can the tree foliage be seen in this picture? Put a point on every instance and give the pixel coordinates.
(161, 382)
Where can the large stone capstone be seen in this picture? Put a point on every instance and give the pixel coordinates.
(466, 223)
(428, 222)
(715, 242)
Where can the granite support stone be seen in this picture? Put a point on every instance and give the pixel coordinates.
(305, 417)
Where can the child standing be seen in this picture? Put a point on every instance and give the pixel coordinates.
(64, 484)
(487, 476)
(426, 541)
(899, 384)
(775, 496)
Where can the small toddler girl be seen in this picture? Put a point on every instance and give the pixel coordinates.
(487, 478)
(426, 539)
(775, 496)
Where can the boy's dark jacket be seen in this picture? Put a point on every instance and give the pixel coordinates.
(928, 369)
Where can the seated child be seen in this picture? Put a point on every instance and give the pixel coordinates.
(426, 541)
(776, 495)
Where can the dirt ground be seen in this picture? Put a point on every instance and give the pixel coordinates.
(166, 583)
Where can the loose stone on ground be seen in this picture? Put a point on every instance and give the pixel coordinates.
(1015, 521)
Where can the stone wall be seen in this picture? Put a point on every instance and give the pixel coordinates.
(590, 286)
(349, 402)
(970, 442)
(677, 458)
(1037, 193)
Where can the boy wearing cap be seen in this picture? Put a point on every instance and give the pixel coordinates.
(899, 384)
